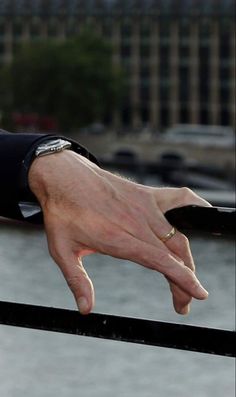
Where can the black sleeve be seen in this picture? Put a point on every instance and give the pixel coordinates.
(16, 152)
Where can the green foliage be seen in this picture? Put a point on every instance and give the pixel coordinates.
(73, 81)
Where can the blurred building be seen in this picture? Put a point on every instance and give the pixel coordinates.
(179, 56)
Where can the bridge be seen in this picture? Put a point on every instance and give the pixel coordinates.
(146, 148)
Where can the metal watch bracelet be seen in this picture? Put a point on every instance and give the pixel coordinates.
(51, 147)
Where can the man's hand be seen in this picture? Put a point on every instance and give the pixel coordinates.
(87, 209)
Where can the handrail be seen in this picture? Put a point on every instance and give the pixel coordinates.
(213, 220)
(126, 329)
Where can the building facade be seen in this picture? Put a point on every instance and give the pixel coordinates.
(179, 56)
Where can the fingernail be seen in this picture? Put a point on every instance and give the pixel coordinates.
(184, 310)
(202, 292)
(82, 304)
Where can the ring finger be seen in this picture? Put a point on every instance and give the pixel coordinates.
(178, 244)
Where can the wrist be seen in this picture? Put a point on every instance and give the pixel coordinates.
(46, 145)
(42, 173)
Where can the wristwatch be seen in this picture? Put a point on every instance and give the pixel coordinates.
(51, 147)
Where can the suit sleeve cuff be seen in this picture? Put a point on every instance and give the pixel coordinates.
(17, 199)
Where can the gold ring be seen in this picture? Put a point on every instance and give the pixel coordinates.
(168, 235)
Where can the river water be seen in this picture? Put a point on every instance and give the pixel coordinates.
(44, 364)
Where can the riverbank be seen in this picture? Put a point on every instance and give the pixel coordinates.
(150, 150)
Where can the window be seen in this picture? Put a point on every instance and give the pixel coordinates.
(204, 74)
(125, 50)
(183, 84)
(144, 92)
(126, 115)
(144, 114)
(204, 115)
(164, 29)
(184, 114)
(224, 116)
(184, 29)
(164, 116)
(145, 31)
(164, 54)
(144, 51)
(224, 94)
(164, 93)
(145, 75)
(204, 91)
(126, 30)
(205, 30)
(183, 53)
(164, 71)
(224, 50)
(204, 53)
(225, 39)
(224, 74)
(164, 62)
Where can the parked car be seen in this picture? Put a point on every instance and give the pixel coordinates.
(203, 135)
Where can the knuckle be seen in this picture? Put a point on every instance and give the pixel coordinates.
(163, 257)
(134, 252)
(55, 253)
(186, 194)
(146, 194)
(161, 263)
(110, 236)
(190, 279)
(194, 285)
(183, 240)
(180, 243)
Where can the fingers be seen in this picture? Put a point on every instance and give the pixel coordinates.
(143, 246)
(178, 246)
(79, 283)
(160, 259)
(181, 300)
(76, 277)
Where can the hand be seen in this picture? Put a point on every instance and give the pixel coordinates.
(87, 209)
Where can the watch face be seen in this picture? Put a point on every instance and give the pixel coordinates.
(53, 146)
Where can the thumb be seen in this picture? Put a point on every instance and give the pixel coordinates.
(79, 283)
(75, 275)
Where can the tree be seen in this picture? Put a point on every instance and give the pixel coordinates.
(73, 81)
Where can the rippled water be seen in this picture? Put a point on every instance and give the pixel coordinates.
(44, 364)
